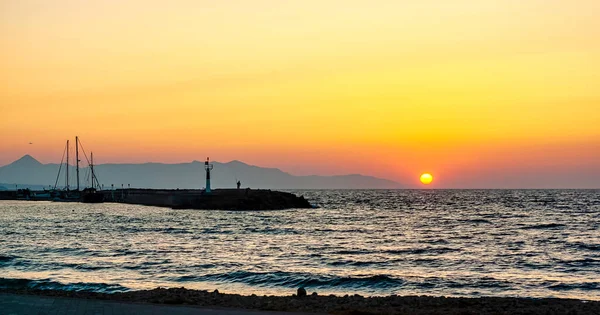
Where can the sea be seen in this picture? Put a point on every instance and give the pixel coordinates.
(462, 243)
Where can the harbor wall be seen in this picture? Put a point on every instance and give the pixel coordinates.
(152, 197)
(219, 199)
(8, 194)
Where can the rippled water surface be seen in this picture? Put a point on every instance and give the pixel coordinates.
(372, 242)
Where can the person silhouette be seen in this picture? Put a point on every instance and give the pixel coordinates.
(239, 184)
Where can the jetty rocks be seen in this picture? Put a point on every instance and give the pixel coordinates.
(218, 199)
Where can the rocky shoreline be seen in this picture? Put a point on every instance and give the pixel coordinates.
(331, 304)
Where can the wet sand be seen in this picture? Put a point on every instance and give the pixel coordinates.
(333, 304)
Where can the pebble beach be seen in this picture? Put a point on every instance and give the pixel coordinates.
(332, 304)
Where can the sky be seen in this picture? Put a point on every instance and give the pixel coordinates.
(480, 93)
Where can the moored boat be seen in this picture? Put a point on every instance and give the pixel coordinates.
(90, 195)
(87, 195)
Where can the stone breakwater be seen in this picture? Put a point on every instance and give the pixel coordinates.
(219, 199)
(354, 304)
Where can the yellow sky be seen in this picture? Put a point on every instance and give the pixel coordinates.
(389, 88)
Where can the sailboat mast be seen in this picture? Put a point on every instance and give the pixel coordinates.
(77, 158)
(92, 167)
(67, 164)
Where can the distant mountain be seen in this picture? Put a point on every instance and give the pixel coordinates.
(28, 170)
(27, 161)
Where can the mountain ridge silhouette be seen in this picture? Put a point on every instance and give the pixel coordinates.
(190, 175)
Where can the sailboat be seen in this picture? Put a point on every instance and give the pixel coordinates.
(65, 194)
(90, 195)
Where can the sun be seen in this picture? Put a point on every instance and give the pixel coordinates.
(426, 178)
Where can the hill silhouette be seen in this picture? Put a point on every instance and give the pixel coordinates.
(27, 170)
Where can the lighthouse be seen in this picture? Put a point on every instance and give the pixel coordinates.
(208, 167)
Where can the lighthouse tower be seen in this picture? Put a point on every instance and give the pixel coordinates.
(208, 167)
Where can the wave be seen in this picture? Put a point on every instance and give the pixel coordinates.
(4, 259)
(352, 252)
(586, 286)
(478, 221)
(585, 262)
(421, 251)
(375, 283)
(171, 230)
(586, 246)
(294, 280)
(47, 284)
(544, 226)
(486, 282)
(355, 263)
(437, 241)
(270, 230)
(167, 230)
(28, 264)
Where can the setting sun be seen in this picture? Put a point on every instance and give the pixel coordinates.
(426, 178)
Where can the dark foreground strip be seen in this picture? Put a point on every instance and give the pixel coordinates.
(341, 305)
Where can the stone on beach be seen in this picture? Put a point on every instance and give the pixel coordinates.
(301, 292)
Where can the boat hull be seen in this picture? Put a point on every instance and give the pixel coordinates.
(94, 197)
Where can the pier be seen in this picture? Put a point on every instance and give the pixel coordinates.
(217, 199)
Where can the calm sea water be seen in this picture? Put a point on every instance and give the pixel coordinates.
(524, 243)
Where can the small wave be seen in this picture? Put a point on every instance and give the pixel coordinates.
(293, 280)
(147, 265)
(399, 251)
(171, 230)
(202, 234)
(478, 221)
(485, 282)
(587, 286)
(544, 226)
(66, 250)
(421, 251)
(585, 246)
(354, 263)
(269, 230)
(4, 259)
(38, 265)
(324, 230)
(204, 266)
(167, 230)
(565, 206)
(352, 231)
(352, 252)
(123, 252)
(586, 262)
(86, 267)
(438, 241)
(47, 284)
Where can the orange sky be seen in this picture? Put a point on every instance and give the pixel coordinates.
(480, 93)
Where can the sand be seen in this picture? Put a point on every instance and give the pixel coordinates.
(17, 304)
(337, 304)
